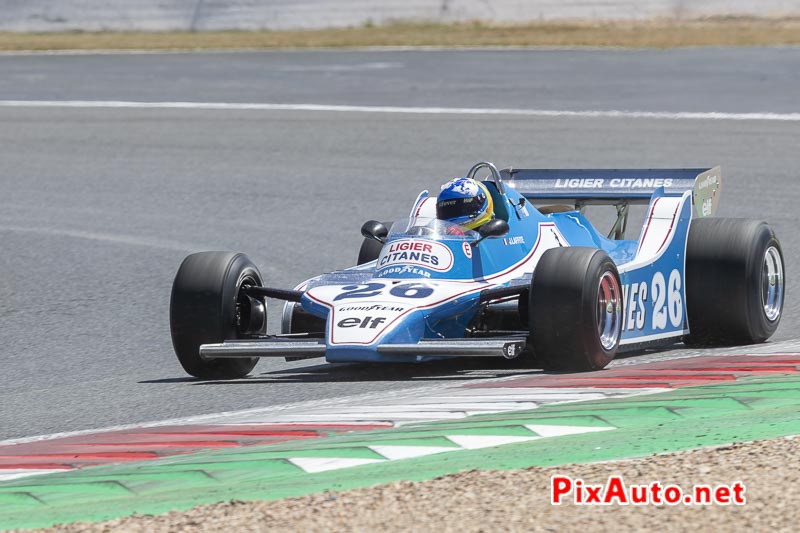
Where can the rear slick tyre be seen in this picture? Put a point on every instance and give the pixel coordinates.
(575, 309)
(203, 310)
(735, 282)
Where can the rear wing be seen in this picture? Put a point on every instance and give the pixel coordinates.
(619, 187)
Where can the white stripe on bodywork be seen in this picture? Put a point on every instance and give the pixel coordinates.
(549, 236)
(421, 209)
(659, 230)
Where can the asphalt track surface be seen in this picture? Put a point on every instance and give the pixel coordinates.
(98, 206)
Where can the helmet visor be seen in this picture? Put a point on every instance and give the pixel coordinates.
(459, 207)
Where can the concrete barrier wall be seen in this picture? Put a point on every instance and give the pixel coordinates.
(95, 15)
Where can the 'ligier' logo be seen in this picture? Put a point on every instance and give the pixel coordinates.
(427, 254)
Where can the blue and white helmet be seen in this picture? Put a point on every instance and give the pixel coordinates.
(465, 201)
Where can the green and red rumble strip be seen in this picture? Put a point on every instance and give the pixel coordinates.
(627, 411)
(673, 373)
(141, 444)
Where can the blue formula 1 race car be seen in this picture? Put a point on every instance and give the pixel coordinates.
(537, 281)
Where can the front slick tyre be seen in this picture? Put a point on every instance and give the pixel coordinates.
(575, 309)
(734, 282)
(203, 310)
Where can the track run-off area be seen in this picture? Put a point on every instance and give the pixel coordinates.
(510, 423)
(113, 167)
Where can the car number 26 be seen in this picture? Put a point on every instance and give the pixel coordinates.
(666, 299)
(369, 290)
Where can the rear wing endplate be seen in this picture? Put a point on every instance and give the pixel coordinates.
(620, 187)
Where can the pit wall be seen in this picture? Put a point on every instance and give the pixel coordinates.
(207, 15)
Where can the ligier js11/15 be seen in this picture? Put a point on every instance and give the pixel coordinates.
(538, 281)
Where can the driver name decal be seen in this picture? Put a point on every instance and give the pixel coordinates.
(427, 254)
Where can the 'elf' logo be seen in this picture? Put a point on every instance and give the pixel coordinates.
(366, 322)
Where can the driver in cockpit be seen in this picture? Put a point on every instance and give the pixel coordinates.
(466, 202)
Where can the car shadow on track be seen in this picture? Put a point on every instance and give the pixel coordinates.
(444, 371)
(187, 379)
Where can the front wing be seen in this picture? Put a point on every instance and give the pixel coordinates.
(302, 347)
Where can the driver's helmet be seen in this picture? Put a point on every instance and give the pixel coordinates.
(466, 202)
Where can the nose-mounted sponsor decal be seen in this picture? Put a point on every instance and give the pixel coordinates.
(362, 323)
(427, 254)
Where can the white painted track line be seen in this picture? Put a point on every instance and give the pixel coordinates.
(545, 430)
(8, 475)
(476, 442)
(394, 453)
(314, 465)
(231, 106)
